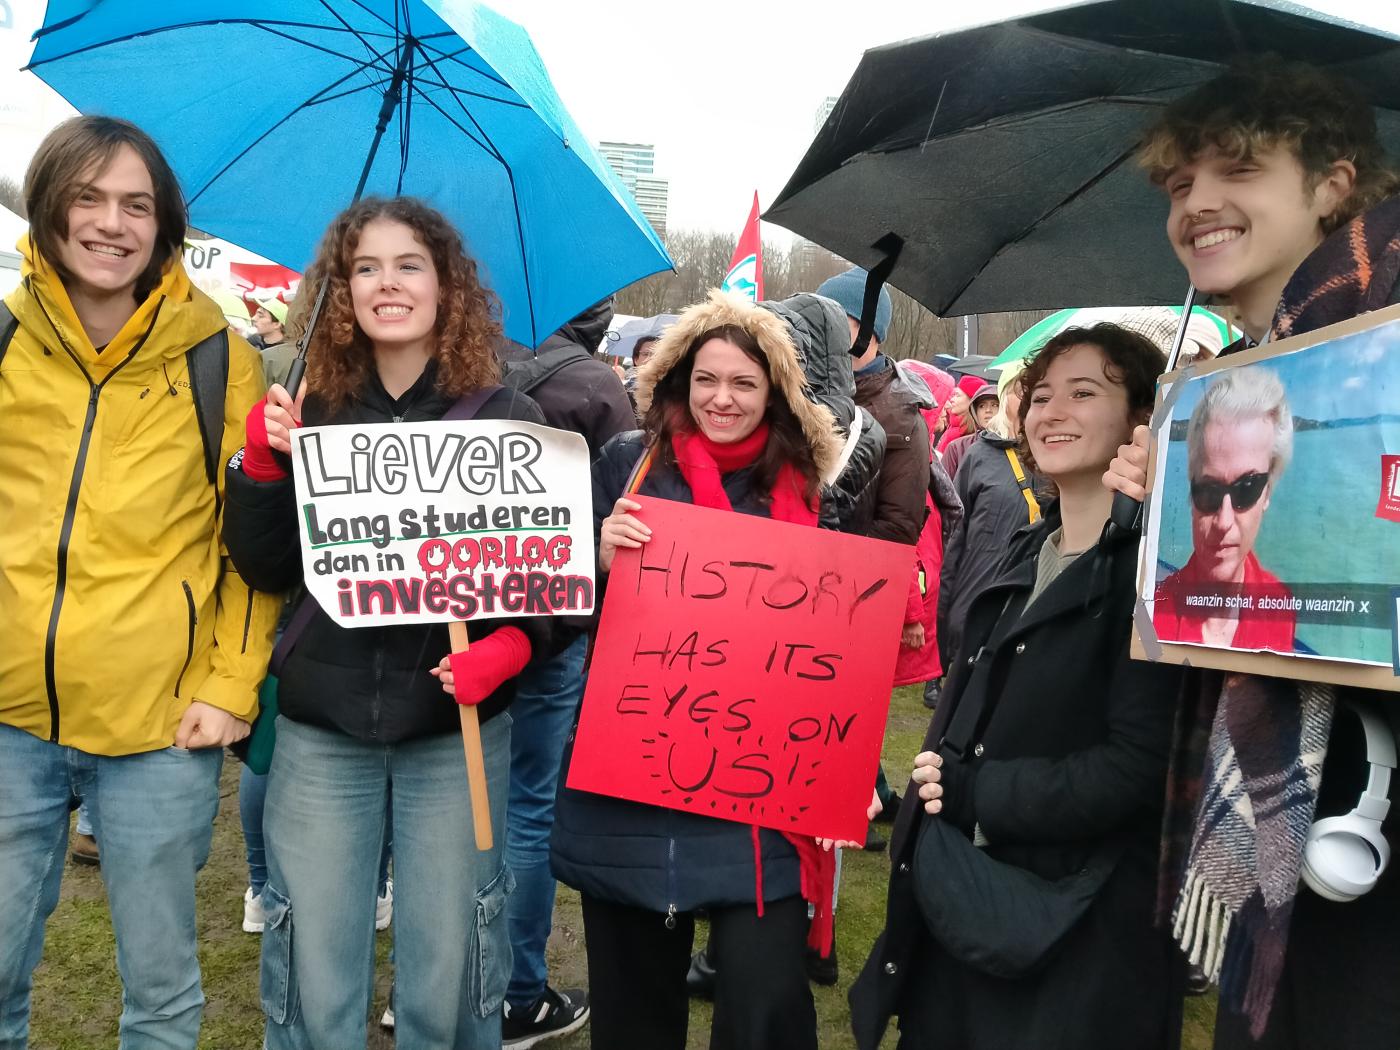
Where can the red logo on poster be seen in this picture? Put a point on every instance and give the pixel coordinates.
(743, 671)
(1389, 506)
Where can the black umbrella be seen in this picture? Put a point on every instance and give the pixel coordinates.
(998, 161)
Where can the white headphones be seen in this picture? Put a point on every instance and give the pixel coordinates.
(1344, 856)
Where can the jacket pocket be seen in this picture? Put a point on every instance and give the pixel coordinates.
(489, 959)
(277, 981)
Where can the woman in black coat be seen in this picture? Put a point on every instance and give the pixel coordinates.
(365, 728)
(1049, 752)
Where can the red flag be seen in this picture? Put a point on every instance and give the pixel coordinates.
(746, 268)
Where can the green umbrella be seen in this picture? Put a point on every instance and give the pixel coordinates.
(1157, 323)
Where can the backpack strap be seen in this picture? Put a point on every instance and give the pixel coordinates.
(468, 405)
(526, 375)
(296, 626)
(9, 325)
(207, 363)
(1024, 482)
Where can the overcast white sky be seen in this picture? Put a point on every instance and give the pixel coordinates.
(727, 94)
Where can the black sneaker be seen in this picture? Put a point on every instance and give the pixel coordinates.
(554, 1013)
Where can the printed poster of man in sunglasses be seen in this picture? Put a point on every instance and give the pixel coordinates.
(1271, 527)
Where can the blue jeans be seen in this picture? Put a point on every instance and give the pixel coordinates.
(325, 822)
(153, 817)
(252, 795)
(546, 701)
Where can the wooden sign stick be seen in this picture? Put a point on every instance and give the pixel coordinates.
(471, 744)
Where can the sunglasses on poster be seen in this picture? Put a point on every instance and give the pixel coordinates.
(1244, 492)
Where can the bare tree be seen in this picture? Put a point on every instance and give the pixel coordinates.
(12, 195)
(702, 260)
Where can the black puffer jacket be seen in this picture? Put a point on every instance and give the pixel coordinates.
(993, 509)
(371, 683)
(823, 341)
(575, 391)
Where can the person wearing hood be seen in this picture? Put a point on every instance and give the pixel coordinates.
(981, 409)
(1020, 905)
(579, 393)
(727, 425)
(133, 653)
(997, 491)
(958, 419)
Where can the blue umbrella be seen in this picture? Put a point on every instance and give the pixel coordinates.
(272, 113)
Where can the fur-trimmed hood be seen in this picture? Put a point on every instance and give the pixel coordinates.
(774, 339)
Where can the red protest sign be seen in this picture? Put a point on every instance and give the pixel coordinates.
(743, 671)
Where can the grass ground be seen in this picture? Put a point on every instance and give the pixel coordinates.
(77, 996)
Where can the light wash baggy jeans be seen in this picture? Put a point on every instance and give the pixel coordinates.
(324, 822)
(153, 817)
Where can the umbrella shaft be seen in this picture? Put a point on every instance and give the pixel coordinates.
(392, 95)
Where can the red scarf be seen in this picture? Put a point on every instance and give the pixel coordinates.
(703, 463)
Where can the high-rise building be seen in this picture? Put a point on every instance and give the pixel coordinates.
(823, 111)
(635, 165)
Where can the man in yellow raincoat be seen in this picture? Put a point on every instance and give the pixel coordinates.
(132, 651)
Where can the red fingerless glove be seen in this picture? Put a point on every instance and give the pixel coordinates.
(479, 672)
(259, 461)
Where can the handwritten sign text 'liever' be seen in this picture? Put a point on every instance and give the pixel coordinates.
(432, 522)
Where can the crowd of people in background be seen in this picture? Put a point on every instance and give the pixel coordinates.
(152, 559)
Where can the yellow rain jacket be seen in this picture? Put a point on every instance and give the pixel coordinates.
(118, 605)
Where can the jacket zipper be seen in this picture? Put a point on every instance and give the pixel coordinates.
(247, 621)
(378, 686)
(70, 508)
(189, 643)
(671, 883)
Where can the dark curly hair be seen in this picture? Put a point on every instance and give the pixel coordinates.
(340, 359)
(670, 412)
(1131, 360)
(1264, 102)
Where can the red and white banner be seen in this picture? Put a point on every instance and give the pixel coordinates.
(746, 268)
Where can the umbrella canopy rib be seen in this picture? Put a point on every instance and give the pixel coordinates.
(510, 176)
(294, 111)
(214, 22)
(1030, 227)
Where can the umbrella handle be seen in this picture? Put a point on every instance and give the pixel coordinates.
(1126, 513)
(295, 374)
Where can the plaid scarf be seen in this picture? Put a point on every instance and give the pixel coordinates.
(1248, 751)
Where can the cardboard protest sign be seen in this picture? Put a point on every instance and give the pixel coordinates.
(743, 670)
(1272, 536)
(431, 522)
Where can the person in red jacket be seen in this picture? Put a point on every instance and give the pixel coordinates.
(1238, 442)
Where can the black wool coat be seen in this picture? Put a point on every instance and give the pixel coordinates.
(1069, 765)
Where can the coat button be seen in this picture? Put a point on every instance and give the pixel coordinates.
(1020, 648)
(977, 750)
(904, 867)
(891, 968)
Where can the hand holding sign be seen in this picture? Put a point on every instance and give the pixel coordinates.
(444, 522)
(742, 669)
(620, 529)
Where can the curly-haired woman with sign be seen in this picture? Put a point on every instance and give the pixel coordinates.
(407, 336)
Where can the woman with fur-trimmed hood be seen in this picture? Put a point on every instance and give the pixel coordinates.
(727, 424)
